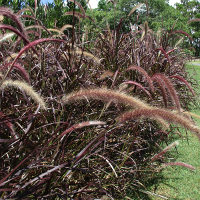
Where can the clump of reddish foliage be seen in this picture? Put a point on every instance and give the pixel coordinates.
(79, 150)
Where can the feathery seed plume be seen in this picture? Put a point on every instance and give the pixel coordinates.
(105, 95)
(160, 154)
(161, 113)
(144, 73)
(26, 88)
(14, 17)
(169, 87)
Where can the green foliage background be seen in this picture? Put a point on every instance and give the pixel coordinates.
(158, 14)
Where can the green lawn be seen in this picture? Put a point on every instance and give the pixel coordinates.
(178, 182)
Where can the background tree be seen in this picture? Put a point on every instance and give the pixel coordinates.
(158, 13)
(191, 11)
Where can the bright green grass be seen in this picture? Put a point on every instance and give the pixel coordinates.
(178, 182)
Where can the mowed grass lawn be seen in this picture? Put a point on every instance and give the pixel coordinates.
(178, 182)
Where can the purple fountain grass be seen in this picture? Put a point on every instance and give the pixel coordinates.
(44, 174)
(2, 181)
(170, 51)
(38, 27)
(169, 87)
(181, 32)
(184, 81)
(179, 164)
(81, 125)
(106, 74)
(28, 16)
(140, 86)
(144, 73)
(52, 143)
(166, 115)
(26, 41)
(79, 5)
(76, 126)
(28, 46)
(23, 10)
(3, 26)
(21, 69)
(107, 95)
(8, 124)
(194, 20)
(134, 9)
(76, 14)
(94, 143)
(26, 88)
(55, 30)
(32, 32)
(65, 27)
(34, 43)
(190, 114)
(162, 88)
(9, 13)
(86, 54)
(104, 95)
(159, 155)
(165, 53)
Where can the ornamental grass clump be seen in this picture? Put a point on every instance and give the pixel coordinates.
(103, 105)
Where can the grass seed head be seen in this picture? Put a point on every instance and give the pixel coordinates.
(26, 88)
(166, 115)
(105, 95)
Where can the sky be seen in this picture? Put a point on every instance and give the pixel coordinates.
(94, 3)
